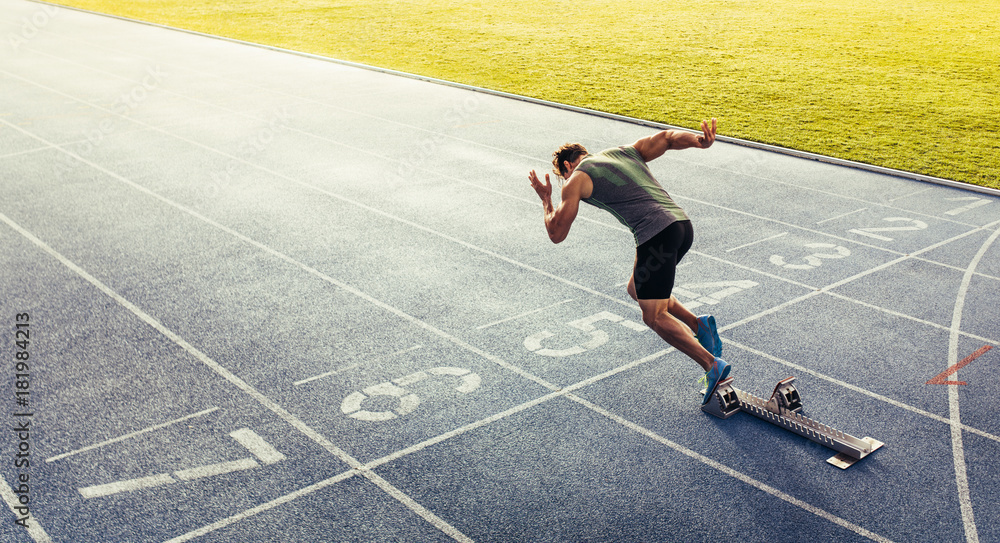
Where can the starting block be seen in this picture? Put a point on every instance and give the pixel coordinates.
(784, 409)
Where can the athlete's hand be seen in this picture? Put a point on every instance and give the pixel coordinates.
(707, 137)
(544, 190)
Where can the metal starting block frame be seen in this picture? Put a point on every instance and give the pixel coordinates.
(784, 409)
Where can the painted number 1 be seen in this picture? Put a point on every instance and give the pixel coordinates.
(973, 204)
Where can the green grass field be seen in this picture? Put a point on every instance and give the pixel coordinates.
(910, 85)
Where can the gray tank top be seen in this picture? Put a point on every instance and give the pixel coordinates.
(624, 186)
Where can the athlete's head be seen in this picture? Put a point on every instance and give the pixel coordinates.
(564, 160)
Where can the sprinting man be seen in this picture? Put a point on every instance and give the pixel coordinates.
(618, 180)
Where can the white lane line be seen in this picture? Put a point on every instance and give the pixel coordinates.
(769, 311)
(417, 447)
(776, 236)
(462, 430)
(821, 513)
(956, 268)
(525, 314)
(957, 446)
(973, 228)
(352, 366)
(131, 435)
(25, 152)
(995, 341)
(778, 181)
(242, 385)
(257, 446)
(216, 469)
(849, 213)
(262, 507)
(921, 191)
(129, 485)
(859, 390)
(327, 374)
(32, 526)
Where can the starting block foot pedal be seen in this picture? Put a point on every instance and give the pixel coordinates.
(785, 396)
(844, 460)
(725, 402)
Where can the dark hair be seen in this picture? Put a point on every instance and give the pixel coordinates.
(570, 152)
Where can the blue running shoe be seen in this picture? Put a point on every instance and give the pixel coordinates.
(712, 378)
(708, 336)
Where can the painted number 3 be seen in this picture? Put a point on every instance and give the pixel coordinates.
(814, 260)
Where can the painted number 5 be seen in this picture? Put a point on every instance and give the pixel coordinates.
(814, 260)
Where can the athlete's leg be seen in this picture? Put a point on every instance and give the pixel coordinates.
(656, 315)
(631, 287)
(674, 307)
(677, 309)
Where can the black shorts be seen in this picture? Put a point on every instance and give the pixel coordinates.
(656, 261)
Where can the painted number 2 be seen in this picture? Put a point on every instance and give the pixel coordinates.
(876, 232)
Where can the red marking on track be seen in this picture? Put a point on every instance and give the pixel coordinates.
(939, 379)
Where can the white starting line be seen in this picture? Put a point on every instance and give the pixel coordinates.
(261, 449)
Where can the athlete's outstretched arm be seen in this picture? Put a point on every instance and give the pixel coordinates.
(559, 219)
(654, 146)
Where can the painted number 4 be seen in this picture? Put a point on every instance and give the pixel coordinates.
(597, 337)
